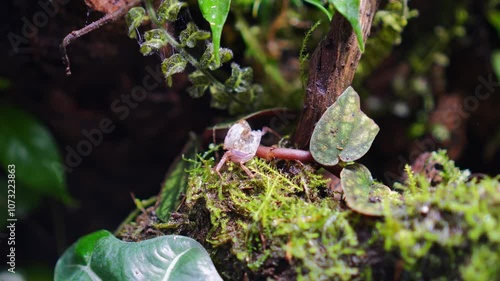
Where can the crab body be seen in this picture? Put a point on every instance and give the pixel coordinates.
(241, 144)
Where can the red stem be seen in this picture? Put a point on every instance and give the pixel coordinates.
(270, 153)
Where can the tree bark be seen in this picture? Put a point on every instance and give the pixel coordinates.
(332, 69)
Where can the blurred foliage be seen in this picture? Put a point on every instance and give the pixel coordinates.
(31, 160)
(446, 228)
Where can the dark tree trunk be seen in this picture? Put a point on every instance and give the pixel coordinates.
(332, 69)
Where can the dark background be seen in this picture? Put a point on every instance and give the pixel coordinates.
(136, 155)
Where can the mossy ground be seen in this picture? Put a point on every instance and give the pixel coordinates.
(286, 224)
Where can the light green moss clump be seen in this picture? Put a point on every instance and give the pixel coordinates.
(450, 230)
(286, 223)
(278, 217)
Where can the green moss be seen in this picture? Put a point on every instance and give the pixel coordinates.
(447, 227)
(285, 223)
(277, 216)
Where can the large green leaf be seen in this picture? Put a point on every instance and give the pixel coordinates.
(101, 256)
(343, 132)
(177, 179)
(27, 144)
(362, 194)
(215, 12)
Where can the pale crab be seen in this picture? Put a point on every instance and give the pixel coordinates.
(241, 144)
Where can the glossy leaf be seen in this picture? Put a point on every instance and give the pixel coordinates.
(208, 59)
(215, 12)
(191, 35)
(27, 144)
(343, 132)
(169, 10)
(350, 10)
(101, 256)
(362, 194)
(154, 40)
(177, 180)
(134, 18)
(172, 65)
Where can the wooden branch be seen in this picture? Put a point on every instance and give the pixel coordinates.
(332, 69)
(110, 17)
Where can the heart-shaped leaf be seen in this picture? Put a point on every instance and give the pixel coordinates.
(27, 144)
(101, 256)
(343, 132)
(362, 194)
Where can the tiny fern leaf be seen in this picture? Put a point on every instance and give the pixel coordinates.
(208, 58)
(200, 84)
(155, 39)
(169, 10)
(172, 65)
(240, 79)
(192, 34)
(134, 18)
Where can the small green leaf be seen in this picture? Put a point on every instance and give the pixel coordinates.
(134, 18)
(169, 10)
(155, 39)
(101, 256)
(177, 179)
(240, 80)
(343, 132)
(172, 65)
(350, 10)
(220, 99)
(27, 144)
(215, 12)
(200, 84)
(208, 60)
(191, 35)
(362, 194)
